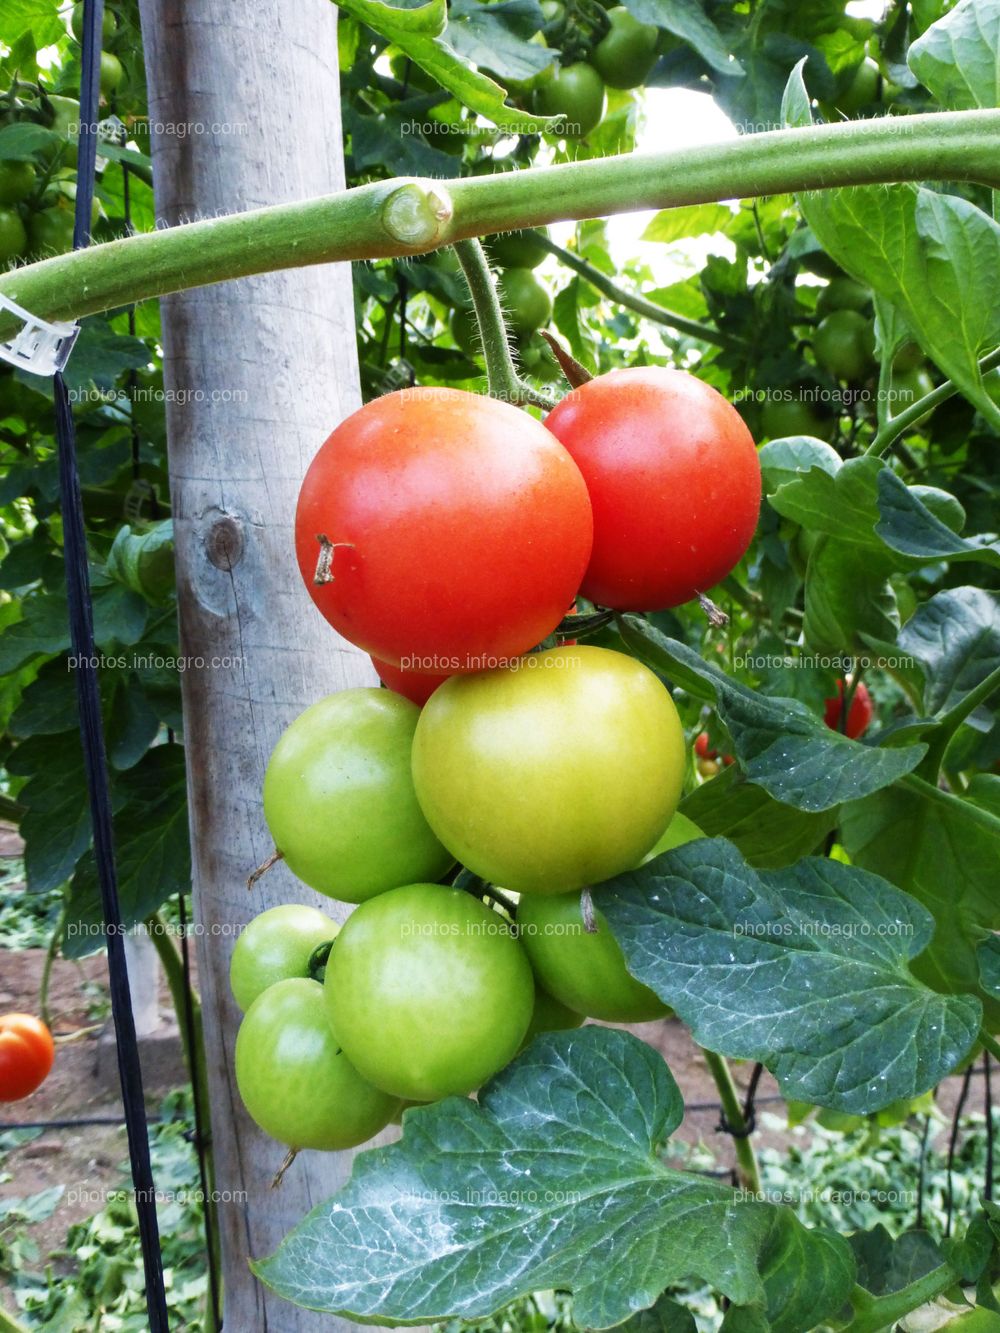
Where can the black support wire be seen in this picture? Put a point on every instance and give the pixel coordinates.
(91, 728)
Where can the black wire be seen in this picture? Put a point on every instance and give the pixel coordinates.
(81, 620)
(952, 1141)
(988, 1102)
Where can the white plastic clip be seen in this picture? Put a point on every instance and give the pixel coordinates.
(40, 348)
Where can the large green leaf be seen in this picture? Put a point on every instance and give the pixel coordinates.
(944, 851)
(909, 528)
(849, 601)
(782, 746)
(955, 638)
(840, 502)
(56, 825)
(687, 20)
(807, 1275)
(495, 36)
(768, 833)
(958, 58)
(479, 1204)
(807, 969)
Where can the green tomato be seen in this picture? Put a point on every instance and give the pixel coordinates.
(627, 52)
(517, 249)
(298, 1086)
(583, 971)
(527, 304)
(549, 1015)
(781, 417)
(908, 357)
(844, 344)
(17, 180)
(339, 799)
(553, 12)
(863, 89)
(429, 992)
(907, 387)
(465, 330)
(945, 507)
(275, 946)
(575, 92)
(13, 237)
(111, 73)
(557, 772)
(66, 123)
(107, 24)
(843, 294)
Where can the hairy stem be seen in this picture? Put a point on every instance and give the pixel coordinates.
(898, 425)
(401, 217)
(746, 1159)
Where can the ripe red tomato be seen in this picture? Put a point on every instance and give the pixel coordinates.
(702, 750)
(459, 527)
(417, 686)
(674, 482)
(26, 1055)
(859, 715)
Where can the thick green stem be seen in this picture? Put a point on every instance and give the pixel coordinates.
(989, 1043)
(873, 1313)
(704, 332)
(898, 425)
(397, 217)
(746, 1159)
(188, 1004)
(501, 374)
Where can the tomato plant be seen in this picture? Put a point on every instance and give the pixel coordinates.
(339, 799)
(427, 490)
(552, 774)
(673, 479)
(294, 1080)
(428, 991)
(26, 1055)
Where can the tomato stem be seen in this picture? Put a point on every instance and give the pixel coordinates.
(896, 426)
(286, 1162)
(746, 1159)
(264, 867)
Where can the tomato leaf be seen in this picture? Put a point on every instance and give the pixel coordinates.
(482, 1203)
(768, 833)
(955, 638)
(783, 747)
(56, 825)
(887, 1264)
(687, 20)
(806, 969)
(958, 58)
(674, 224)
(907, 526)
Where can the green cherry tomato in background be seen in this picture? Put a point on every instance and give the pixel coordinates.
(862, 91)
(550, 1015)
(111, 73)
(66, 123)
(843, 294)
(844, 343)
(297, 1085)
(575, 92)
(526, 303)
(50, 232)
(907, 386)
(553, 12)
(275, 946)
(517, 249)
(17, 180)
(429, 992)
(465, 330)
(13, 237)
(627, 52)
(908, 357)
(107, 24)
(781, 417)
(339, 799)
(555, 773)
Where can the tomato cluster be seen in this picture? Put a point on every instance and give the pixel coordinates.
(447, 533)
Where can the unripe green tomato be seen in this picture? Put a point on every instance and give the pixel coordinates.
(907, 386)
(13, 237)
(556, 773)
(549, 1015)
(276, 946)
(908, 357)
(111, 73)
(782, 417)
(517, 249)
(575, 92)
(553, 12)
(843, 294)
(527, 304)
(465, 330)
(107, 24)
(627, 52)
(50, 232)
(339, 799)
(66, 123)
(862, 90)
(844, 344)
(429, 993)
(296, 1083)
(17, 180)
(943, 505)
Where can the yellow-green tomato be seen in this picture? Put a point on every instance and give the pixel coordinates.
(554, 773)
(111, 72)
(275, 946)
(295, 1081)
(429, 992)
(583, 971)
(339, 798)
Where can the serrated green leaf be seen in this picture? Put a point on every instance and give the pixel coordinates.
(886, 1264)
(955, 638)
(839, 502)
(958, 58)
(687, 20)
(43, 629)
(782, 746)
(23, 141)
(849, 601)
(908, 527)
(37, 16)
(495, 36)
(482, 1203)
(666, 1316)
(784, 461)
(807, 969)
(768, 833)
(56, 825)
(808, 1275)
(100, 355)
(674, 224)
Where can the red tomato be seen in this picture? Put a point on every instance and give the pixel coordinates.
(859, 715)
(26, 1055)
(674, 482)
(417, 686)
(701, 747)
(458, 530)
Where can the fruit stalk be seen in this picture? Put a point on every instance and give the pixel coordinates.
(746, 1159)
